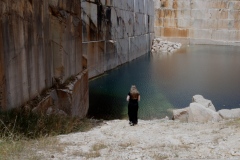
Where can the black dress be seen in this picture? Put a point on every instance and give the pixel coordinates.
(133, 110)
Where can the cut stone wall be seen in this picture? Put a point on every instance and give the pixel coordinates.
(40, 46)
(198, 21)
(115, 32)
(60, 44)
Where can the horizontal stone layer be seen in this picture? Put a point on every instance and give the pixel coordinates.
(198, 20)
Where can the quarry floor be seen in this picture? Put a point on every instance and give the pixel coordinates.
(149, 140)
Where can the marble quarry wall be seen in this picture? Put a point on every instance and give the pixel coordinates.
(49, 49)
(115, 32)
(41, 47)
(198, 21)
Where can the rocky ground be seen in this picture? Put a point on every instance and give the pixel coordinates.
(150, 140)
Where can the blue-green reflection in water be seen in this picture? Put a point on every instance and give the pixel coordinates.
(169, 81)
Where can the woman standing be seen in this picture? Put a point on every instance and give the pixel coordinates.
(133, 97)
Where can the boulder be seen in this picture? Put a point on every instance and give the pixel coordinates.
(199, 113)
(200, 110)
(196, 113)
(181, 114)
(229, 113)
(205, 102)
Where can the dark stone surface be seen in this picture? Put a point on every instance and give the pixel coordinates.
(40, 45)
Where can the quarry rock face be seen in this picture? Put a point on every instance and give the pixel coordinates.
(198, 21)
(60, 44)
(41, 46)
(115, 32)
(46, 43)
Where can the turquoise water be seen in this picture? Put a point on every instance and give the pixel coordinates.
(169, 81)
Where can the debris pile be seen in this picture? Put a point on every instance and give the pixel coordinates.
(163, 46)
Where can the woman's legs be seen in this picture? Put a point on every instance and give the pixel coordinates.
(135, 115)
(130, 113)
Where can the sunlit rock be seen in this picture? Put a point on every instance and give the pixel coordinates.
(198, 21)
(201, 110)
(205, 102)
(199, 113)
(181, 114)
(229, 113)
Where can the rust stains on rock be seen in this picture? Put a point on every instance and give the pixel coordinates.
(175, 4)
(175, 32)
(169, 13)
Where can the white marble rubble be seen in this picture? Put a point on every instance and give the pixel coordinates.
(205, 102)
(230, 113)
(202, 110)
(163, 46)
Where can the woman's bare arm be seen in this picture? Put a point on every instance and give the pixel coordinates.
(128, 97)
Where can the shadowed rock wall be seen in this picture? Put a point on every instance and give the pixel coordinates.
(198, 21)
(115, 32)
(41, 46)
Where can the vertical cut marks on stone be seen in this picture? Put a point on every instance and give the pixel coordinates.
(2, 72)
(169, 13)
(94, 18)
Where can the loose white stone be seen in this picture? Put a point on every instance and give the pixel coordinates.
(161, 46)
